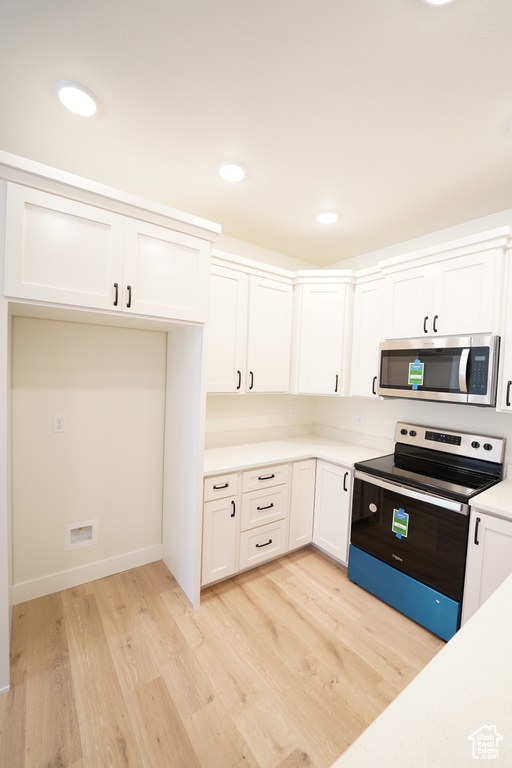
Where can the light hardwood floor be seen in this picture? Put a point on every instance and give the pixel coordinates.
(283, 666)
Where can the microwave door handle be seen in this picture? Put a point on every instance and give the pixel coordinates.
(463, 370)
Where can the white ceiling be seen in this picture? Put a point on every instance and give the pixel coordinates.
(393, 112)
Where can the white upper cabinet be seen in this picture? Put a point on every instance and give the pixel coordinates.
(165, 272)
(504, 401)
(367, 333)
(269, 335)
(322, 335)
(453, 296)
(226, 335)
(248, 331)
(62, 251)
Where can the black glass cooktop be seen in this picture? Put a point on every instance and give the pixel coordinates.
(457, 479)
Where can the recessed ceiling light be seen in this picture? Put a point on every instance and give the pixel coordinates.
(437, 2)
(75, 97)
(231, 170)
(327, 217)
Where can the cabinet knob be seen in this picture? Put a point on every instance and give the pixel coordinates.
(434, 323)
(425, 329)
(116, 294)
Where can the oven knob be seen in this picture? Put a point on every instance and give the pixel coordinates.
(487, 447)
(403, 431)
(413, 433)
(475, 444)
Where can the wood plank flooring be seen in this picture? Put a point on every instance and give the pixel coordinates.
(281, 667)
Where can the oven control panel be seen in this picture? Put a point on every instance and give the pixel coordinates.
(460, 443)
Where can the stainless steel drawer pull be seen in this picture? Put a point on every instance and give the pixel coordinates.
(269, 506)
(266, 543)
(220, 487)
(268, 477)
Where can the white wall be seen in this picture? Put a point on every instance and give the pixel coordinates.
(257, 253)
(234, 419)
(110, 384)
(483, 224)
(380, 416)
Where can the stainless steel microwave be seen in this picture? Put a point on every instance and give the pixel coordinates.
(462, 369)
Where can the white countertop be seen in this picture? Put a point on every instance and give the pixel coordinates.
(239, 457)
(497, 500)
(465, 690)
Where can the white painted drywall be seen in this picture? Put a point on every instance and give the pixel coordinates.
(110, 384)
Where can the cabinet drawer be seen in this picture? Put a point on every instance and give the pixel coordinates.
(263, 543)
(220, 486)
(265, 477)
(264, 506)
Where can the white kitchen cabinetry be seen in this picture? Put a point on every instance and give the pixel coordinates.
(269, 335)
(302, 503)
(367, 333)
(459, 295)
(221, 528)
(265, 509)
(489, 559)
(226, 338)
(249, 330)
(504, 401)
(60, 251)
(322, 333)
(333, 499)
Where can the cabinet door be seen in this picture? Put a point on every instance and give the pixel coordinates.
(408, 301)
(61, 251)
(466, 294)
(302, 503)
(321, 339)
(221, 529)
(269, 335)
(166, 273)
(368, 312)
(333, 504)
(226, 331)
(489, 559)
(504, 402)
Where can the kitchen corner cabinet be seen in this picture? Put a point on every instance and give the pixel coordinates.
(367, 333)
(333, 498)
(460, 295)
(322, 336)
(489, 559)
(61, 251)
(302, 503)
(248, 332)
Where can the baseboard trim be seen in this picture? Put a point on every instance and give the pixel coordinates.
(55, 582)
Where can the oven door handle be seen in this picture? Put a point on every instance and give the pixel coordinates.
(412, 493)
(463, 370)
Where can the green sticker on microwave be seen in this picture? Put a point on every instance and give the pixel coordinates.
(400, 524)
(416, 370)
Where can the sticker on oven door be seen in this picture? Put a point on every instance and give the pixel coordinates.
(416, 370)
(400, 524)
(372, 507)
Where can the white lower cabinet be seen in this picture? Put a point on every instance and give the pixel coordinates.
(253, 516)
(302, 503)
(333, 496)
(489, 560)
(262, 543)
(221, 528)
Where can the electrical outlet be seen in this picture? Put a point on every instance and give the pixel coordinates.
(293, 410)
(360, 417)
(59, 423)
